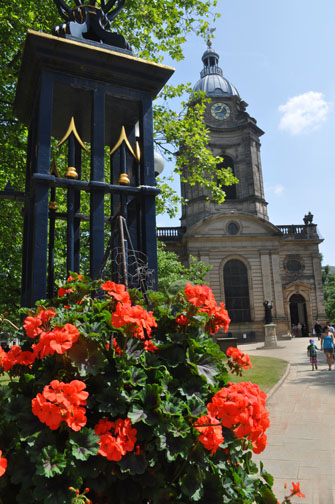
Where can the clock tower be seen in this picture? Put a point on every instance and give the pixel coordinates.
(234, 136)
(253, 262)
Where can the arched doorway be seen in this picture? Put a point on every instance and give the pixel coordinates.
(298, 315)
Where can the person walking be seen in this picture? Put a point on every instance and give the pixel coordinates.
(311, 353)
(327, 343)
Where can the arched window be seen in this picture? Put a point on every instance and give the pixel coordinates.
(236, 289)
(229, 190)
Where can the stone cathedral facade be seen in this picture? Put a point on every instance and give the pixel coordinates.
(252, 259)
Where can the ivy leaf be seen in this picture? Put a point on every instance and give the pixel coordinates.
(84, 444)
(51, 462)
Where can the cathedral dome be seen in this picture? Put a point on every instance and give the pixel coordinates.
(211, 79)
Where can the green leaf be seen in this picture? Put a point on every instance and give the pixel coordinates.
(134, 464)
(208, 368)
(137, 414)
(51, 462)
(268, 496)
(84, 444)
(192, 483)
(268, 478)
(152, 396)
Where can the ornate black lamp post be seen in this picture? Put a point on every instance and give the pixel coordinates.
(97, 101)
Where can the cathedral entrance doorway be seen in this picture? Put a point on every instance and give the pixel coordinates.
(298, 315)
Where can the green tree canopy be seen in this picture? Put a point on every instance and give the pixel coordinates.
(328, 280)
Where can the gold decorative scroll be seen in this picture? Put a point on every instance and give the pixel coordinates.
(123, 138)
(72, 129)
(138, 151)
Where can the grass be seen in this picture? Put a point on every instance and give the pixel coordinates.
(266, 372)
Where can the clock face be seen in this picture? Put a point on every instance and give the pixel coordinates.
(220, 111)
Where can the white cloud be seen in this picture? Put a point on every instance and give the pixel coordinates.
(303, 113)
(276, 190)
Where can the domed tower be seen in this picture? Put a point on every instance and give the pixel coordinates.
(234, 135)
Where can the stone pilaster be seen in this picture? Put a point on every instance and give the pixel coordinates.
(277, 284)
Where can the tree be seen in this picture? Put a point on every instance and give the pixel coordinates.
(153, 29)
(328, 280)
(172, 275)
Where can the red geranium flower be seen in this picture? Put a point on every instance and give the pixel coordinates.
(116, 438)
(202, 297)
(211, 433)
(296, 490)
(62, 402)
(241, 407)
(240, 360)
(3, 464)
(117, 291)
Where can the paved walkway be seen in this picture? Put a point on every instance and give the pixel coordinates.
(301, 438)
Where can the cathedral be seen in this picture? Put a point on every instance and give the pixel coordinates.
(252, 260)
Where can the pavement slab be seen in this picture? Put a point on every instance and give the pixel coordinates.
(301, 438)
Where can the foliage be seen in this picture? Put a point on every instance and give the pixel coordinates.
(137, 383)
(328, 280)
(171, 272)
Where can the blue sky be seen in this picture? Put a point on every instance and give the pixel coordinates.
(280, 57)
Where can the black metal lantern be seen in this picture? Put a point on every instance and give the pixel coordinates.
(94, 99)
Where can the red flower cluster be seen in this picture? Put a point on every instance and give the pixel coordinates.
(116, 438)
(117, 291)
(15, 356)
(211, 432)
(238, 361)
(202, 297)
(135, 320)
(3, 464)
(35, 325)
(241, 407)
(59, 340)
(62, 402)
